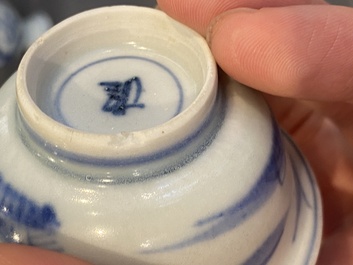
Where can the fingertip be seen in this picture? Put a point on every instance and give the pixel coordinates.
(195, 14)
(198, 14)
(220, 23)
(239, 41)
(296, 51)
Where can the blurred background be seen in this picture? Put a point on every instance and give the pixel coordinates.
(21, 22)
(36, 16)
(341, 2)
(61, 9)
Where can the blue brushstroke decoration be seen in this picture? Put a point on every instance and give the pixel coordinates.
(315, 203)
(19, 208)
(264, 253)
(24, 221)
(231, 217)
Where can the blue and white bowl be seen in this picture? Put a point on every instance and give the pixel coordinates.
(128, 150)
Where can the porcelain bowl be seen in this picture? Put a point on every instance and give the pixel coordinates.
(128, 149)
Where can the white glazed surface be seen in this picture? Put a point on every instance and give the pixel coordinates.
(76, 38)
(108, 224)
(240, 200)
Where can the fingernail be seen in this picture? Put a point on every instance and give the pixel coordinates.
(212, 28)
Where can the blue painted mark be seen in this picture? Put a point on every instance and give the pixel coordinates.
(21, 218)
(58, 113)
(119, 96)
(229, 218)
(264, 253)
(19, 208)
(261, 191)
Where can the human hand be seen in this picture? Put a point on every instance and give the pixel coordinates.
(301, 52)
(14, 254)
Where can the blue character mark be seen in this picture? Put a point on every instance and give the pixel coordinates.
(23, 221)
(119, 96)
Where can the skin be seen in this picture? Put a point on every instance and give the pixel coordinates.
(20, 255)
(299, 54)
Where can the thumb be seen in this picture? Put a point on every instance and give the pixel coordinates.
(296, 51)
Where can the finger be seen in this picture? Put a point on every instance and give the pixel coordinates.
(198, 14)
(296, 51)
(340, 113)
(328, 153)
(337, 249)
(11, 254)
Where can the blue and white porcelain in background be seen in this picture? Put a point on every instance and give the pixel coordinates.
(10, 32)
(120, 146)
(17, 34)
(33, 26)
